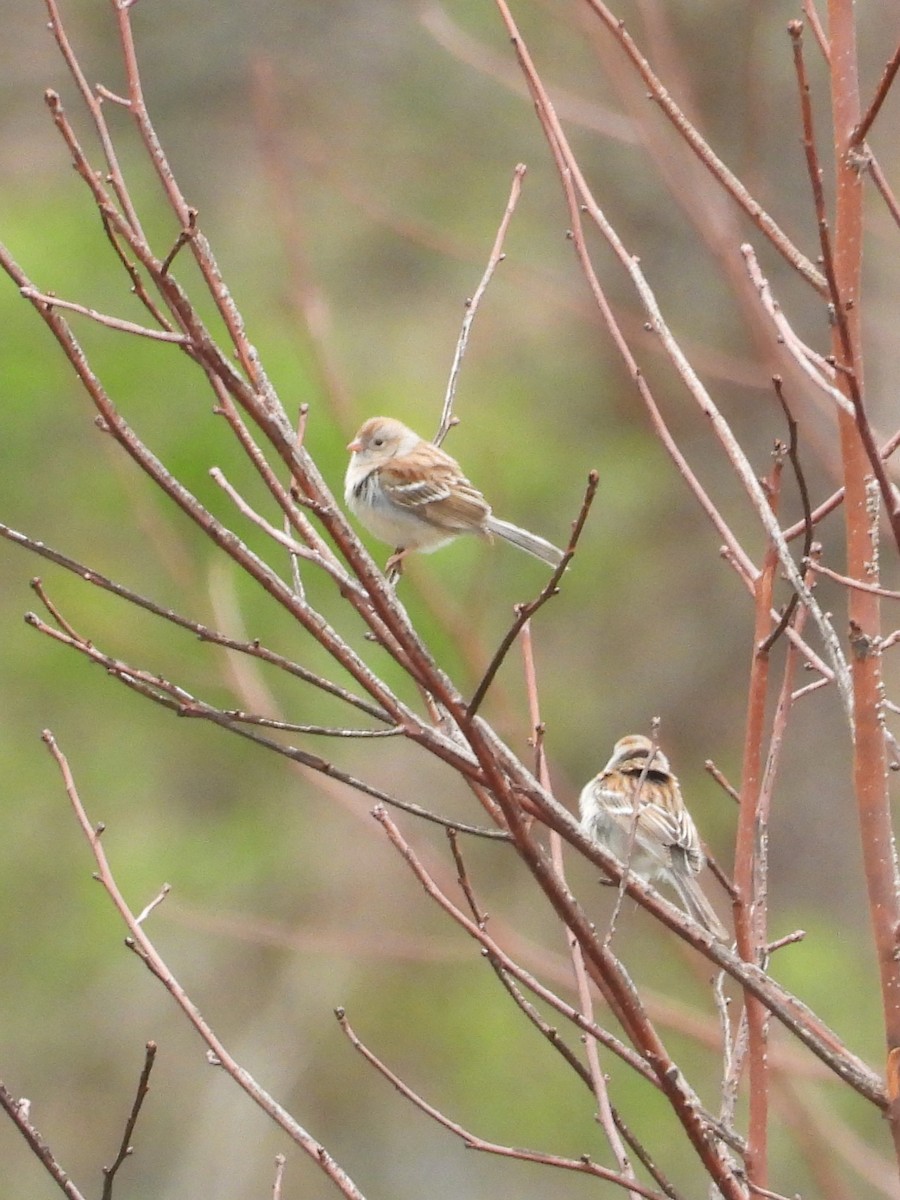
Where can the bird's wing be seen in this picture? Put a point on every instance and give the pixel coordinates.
(661, 828)
(444, 496)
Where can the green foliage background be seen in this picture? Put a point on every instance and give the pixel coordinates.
(286, 900)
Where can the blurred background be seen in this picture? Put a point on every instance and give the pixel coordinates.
(350, 163)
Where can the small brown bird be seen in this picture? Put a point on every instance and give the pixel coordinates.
(412, 495)
(635, 803)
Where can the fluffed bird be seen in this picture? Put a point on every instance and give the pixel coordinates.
(413, 495)
(634, 808)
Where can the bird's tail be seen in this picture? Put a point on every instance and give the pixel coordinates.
(530, 542)
(698, 906)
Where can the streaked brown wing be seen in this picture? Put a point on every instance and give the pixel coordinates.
(660, 826)
(445, 498)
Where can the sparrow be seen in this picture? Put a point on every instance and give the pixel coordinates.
(413, 495)
(635, 809)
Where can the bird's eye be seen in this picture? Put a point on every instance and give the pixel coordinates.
(377, 441)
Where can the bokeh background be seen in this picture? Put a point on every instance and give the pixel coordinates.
(350, 162)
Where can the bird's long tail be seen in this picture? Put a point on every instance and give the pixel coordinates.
(698, 906)
(530, 542)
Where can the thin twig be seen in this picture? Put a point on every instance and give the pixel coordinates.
(497, 256)
(814, 366)
(37, 586)
(582, 1165)
(858, 584)
(154, 903)
(287, 500)
(339, 731)
(692, 137)
(710, 767)
(789, 939)
(767, 1193)
(125, 1147)
(280, 1161)
(493, 949)
(177, 699)
(812, 15)
(793, 455)
(837, 498)
(884, 189)
(95, 109)
(327, 562)
(858, 136)
(838, 304)
(117, 323)
(148, 954)
(524, 612)
(204, 632)
(17, 1111)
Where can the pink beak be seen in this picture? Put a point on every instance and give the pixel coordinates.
(354, 446)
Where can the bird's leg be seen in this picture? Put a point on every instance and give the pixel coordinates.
(393, 568)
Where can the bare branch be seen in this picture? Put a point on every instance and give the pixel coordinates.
(125, 1148)
(689, 133)
(154, 903)
(524, 612)
(17, 1111)
(116, 323)
(279, 1176)
(496, 953)
(152, 960)
(858, 136)
(204, 632)
(583, 1165)
(175, 698)
(813, 365)
(839, 303)
(496, 257)
(873, 589)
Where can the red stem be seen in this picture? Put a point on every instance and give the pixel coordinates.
(869, 753)
(749, 875)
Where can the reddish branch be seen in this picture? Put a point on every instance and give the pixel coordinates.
(858, 136)
(844, 296)
(861, 514)
(750, 863)
(701, 148)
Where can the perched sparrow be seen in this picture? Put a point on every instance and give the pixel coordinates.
(411, 494)
(660, 841)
